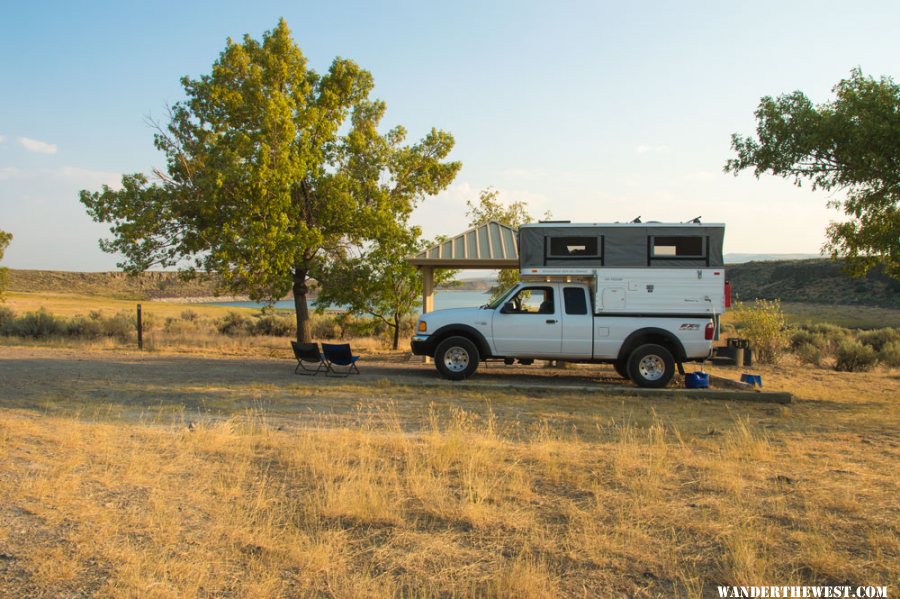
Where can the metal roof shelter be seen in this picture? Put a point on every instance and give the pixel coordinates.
(491, 245)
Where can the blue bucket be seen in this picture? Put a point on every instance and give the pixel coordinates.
(752, 379)
(696, 380)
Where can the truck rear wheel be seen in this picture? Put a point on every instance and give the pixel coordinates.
(456, 358)
(651, 366)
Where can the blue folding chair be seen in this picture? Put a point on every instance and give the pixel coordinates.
(339, 354)
(308, 352)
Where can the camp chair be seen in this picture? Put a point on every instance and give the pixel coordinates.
(308, 352)
(339, 354)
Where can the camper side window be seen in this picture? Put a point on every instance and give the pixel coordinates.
(574, 247)
(677, 247)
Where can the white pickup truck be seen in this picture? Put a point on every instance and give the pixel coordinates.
(559, 321)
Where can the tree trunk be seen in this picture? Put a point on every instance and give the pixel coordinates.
(396, 331)
(301, 308)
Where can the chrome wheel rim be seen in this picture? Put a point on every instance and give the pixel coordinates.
(652, 367)
(456, 359)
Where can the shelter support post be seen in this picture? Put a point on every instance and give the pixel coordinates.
(427, 294)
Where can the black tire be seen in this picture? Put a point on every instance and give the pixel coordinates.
(621, 367)
(651, 366)
(456, 358)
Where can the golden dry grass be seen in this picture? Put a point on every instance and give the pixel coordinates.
(69, 304)
(389, 489)
(463, 504)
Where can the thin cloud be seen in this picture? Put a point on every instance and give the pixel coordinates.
(37, 146)
(73, 176)
(533, 174)
(2, 138)
(8, 172)
(646, 149)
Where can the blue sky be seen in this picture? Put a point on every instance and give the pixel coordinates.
(595, 111)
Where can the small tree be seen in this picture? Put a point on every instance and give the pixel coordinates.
(379, 281)
(490, 208)
(851, 144)
(764, 326)
(5, 238)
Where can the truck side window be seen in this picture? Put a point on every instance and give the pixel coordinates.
(534, 300)
(574, 300)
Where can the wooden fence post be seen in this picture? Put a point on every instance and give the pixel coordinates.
(140, 329)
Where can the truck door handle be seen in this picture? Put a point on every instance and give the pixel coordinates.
(551, 322)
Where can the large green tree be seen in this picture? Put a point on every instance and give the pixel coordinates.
(849, 145)
(5, 238)
(377, 279)
(490, 208)
(270, 167)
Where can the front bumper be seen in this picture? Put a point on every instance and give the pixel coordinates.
(421, 345)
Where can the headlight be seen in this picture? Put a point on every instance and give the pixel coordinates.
(421, 327)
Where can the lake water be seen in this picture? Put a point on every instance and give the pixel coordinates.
(451, 298)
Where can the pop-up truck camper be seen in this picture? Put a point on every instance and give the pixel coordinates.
(645, 297)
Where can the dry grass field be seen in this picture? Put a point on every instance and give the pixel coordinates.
(391, 490)
(195, 475)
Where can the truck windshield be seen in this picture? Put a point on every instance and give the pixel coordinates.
(500, 299)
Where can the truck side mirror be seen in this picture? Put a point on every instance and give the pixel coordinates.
(507, 308)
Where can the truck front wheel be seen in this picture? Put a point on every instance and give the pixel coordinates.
(651, 366)
(456, 358)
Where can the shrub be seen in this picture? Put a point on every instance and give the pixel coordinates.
(179, 326)
(121, 326)
(832, 332)
(890, 354)
(37, 325)
(84, 327)
(879, 338)
(810, 353)
(853, 356)
(234, 323)
(6, 315)
(325, 326)
(189, 315)
(276, 325)
(763, 325)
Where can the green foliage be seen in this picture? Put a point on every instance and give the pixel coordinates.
(853, 356)
(851, 144)
(271, 167)
(490, 208)
(377, 280)
(5, 238)
(763, 324)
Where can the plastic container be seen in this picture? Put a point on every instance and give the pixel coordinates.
(752, 379)
(696, 380)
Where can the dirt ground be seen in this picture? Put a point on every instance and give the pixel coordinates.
(130, 383)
